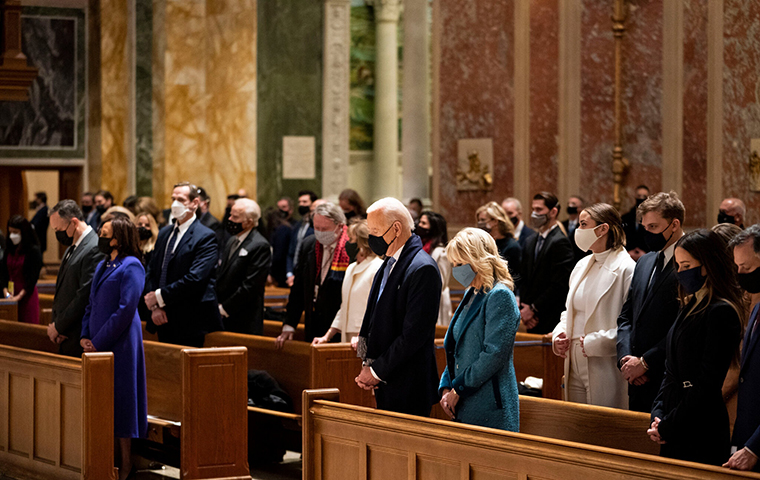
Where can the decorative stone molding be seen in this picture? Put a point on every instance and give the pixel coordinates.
(335, 105)
(386, 10)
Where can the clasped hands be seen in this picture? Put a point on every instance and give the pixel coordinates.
(562, 345)
(158, 314)
(366, 380)
(529, 319)
(449, 401)
(54, 336)
(634, 370)
(654, 431)
(87, 345)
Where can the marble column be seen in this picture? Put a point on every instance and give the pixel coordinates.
(415, 138)
(335, 106)
(386, 99)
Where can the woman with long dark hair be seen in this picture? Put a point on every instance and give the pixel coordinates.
(111, 323)
(21, 265)
(689, 417)
(433, 232)
(352, 204)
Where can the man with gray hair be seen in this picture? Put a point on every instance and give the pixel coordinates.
(318, 277)
(243, 269)
(513, 208)
(72, 286)
(396, 338)
(746, 437)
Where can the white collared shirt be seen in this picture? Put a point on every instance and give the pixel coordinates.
(81, 237)
(519, 229)
(546, 233)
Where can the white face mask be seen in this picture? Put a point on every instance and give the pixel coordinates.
(326, 238)
(178, 210)
(585, 237)
(15, 238)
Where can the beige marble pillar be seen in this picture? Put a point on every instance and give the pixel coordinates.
(117, 49)
(385, 184)
(335, 104)
(415, 89)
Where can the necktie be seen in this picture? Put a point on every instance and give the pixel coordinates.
(386, 272)
(658, 266)
(539, 246)
(327, 254)
(233, 247)
(68, 255)
(168, 256)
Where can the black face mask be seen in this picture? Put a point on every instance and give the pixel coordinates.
(284, 214)
(144, 233)
(422, 232)
(303, 210)
(514, 221)
(104, 245)
(101, 209)
(639, 201)
(723, 217)
(86, 209)
(484, 226)
(233, 228)
(656, 241)
(351, 250)
(378, 244)
(350, 215)
(750, 281)
(63, 237)
(572, 210)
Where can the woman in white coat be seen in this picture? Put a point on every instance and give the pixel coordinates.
(586, 334)
(357, 284)
(432, 231)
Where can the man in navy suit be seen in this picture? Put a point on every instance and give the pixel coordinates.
(396, 338)
(513, 207)
(652, 303)
(181, 275)
(746, 437)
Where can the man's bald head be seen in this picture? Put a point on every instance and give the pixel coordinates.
(732, 207)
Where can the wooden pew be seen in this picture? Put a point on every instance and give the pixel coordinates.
(46, 286)
(347, 441)
(46, 308)
(26, 335)
(276, 297)
(8, 310)
(199, 395)
(56, 415)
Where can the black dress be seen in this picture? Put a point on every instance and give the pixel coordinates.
(699, 349)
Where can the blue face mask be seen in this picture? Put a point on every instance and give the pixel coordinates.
(464, 274)
(691, 280)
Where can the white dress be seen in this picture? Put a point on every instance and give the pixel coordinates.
(444, 266)
(355, 291)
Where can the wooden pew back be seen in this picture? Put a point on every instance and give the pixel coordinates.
(56, 415)
(347, 441)
(8, 310)
(25, 335)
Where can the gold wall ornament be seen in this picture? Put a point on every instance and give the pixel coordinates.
(475, 165)
(754, 171)
(619, 163)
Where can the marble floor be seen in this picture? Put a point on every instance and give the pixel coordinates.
(289, 469)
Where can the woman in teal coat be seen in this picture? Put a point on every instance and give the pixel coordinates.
(478, 386)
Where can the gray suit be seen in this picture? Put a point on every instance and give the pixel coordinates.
(72, 291)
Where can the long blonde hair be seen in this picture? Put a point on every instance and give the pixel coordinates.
(477, 248)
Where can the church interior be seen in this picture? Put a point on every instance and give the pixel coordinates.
(453, 102)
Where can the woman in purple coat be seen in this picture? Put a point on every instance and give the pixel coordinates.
(111, 323)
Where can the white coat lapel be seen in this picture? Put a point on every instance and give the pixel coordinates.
(575, 282)
(607, 278)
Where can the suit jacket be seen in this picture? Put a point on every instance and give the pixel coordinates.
(215, 225)
(399, 328)
(189, 295)
(699, 349)
(72, 292)
(112, 324)
(747, 426)
(545, 278)
(607, 387)
(357, 285)
(94, 221)
(40, 221)
(647, 315)
(320, 312)
(479, 359)
(294, 246)
(240, 283)
(525, 235)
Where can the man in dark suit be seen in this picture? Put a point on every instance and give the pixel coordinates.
(210, 221)
(634, 231)
(574, 208)
(652, 303)
(103, 201)
(243, 271)
(181, 275)
(396, 338)
(547, 262)
(40, 220)
(72, 287)
(302, 229)
(513, 208)
(318, 279)
(746, 436)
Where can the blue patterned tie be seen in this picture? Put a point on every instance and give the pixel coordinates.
(388, 264)
(168, 256)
